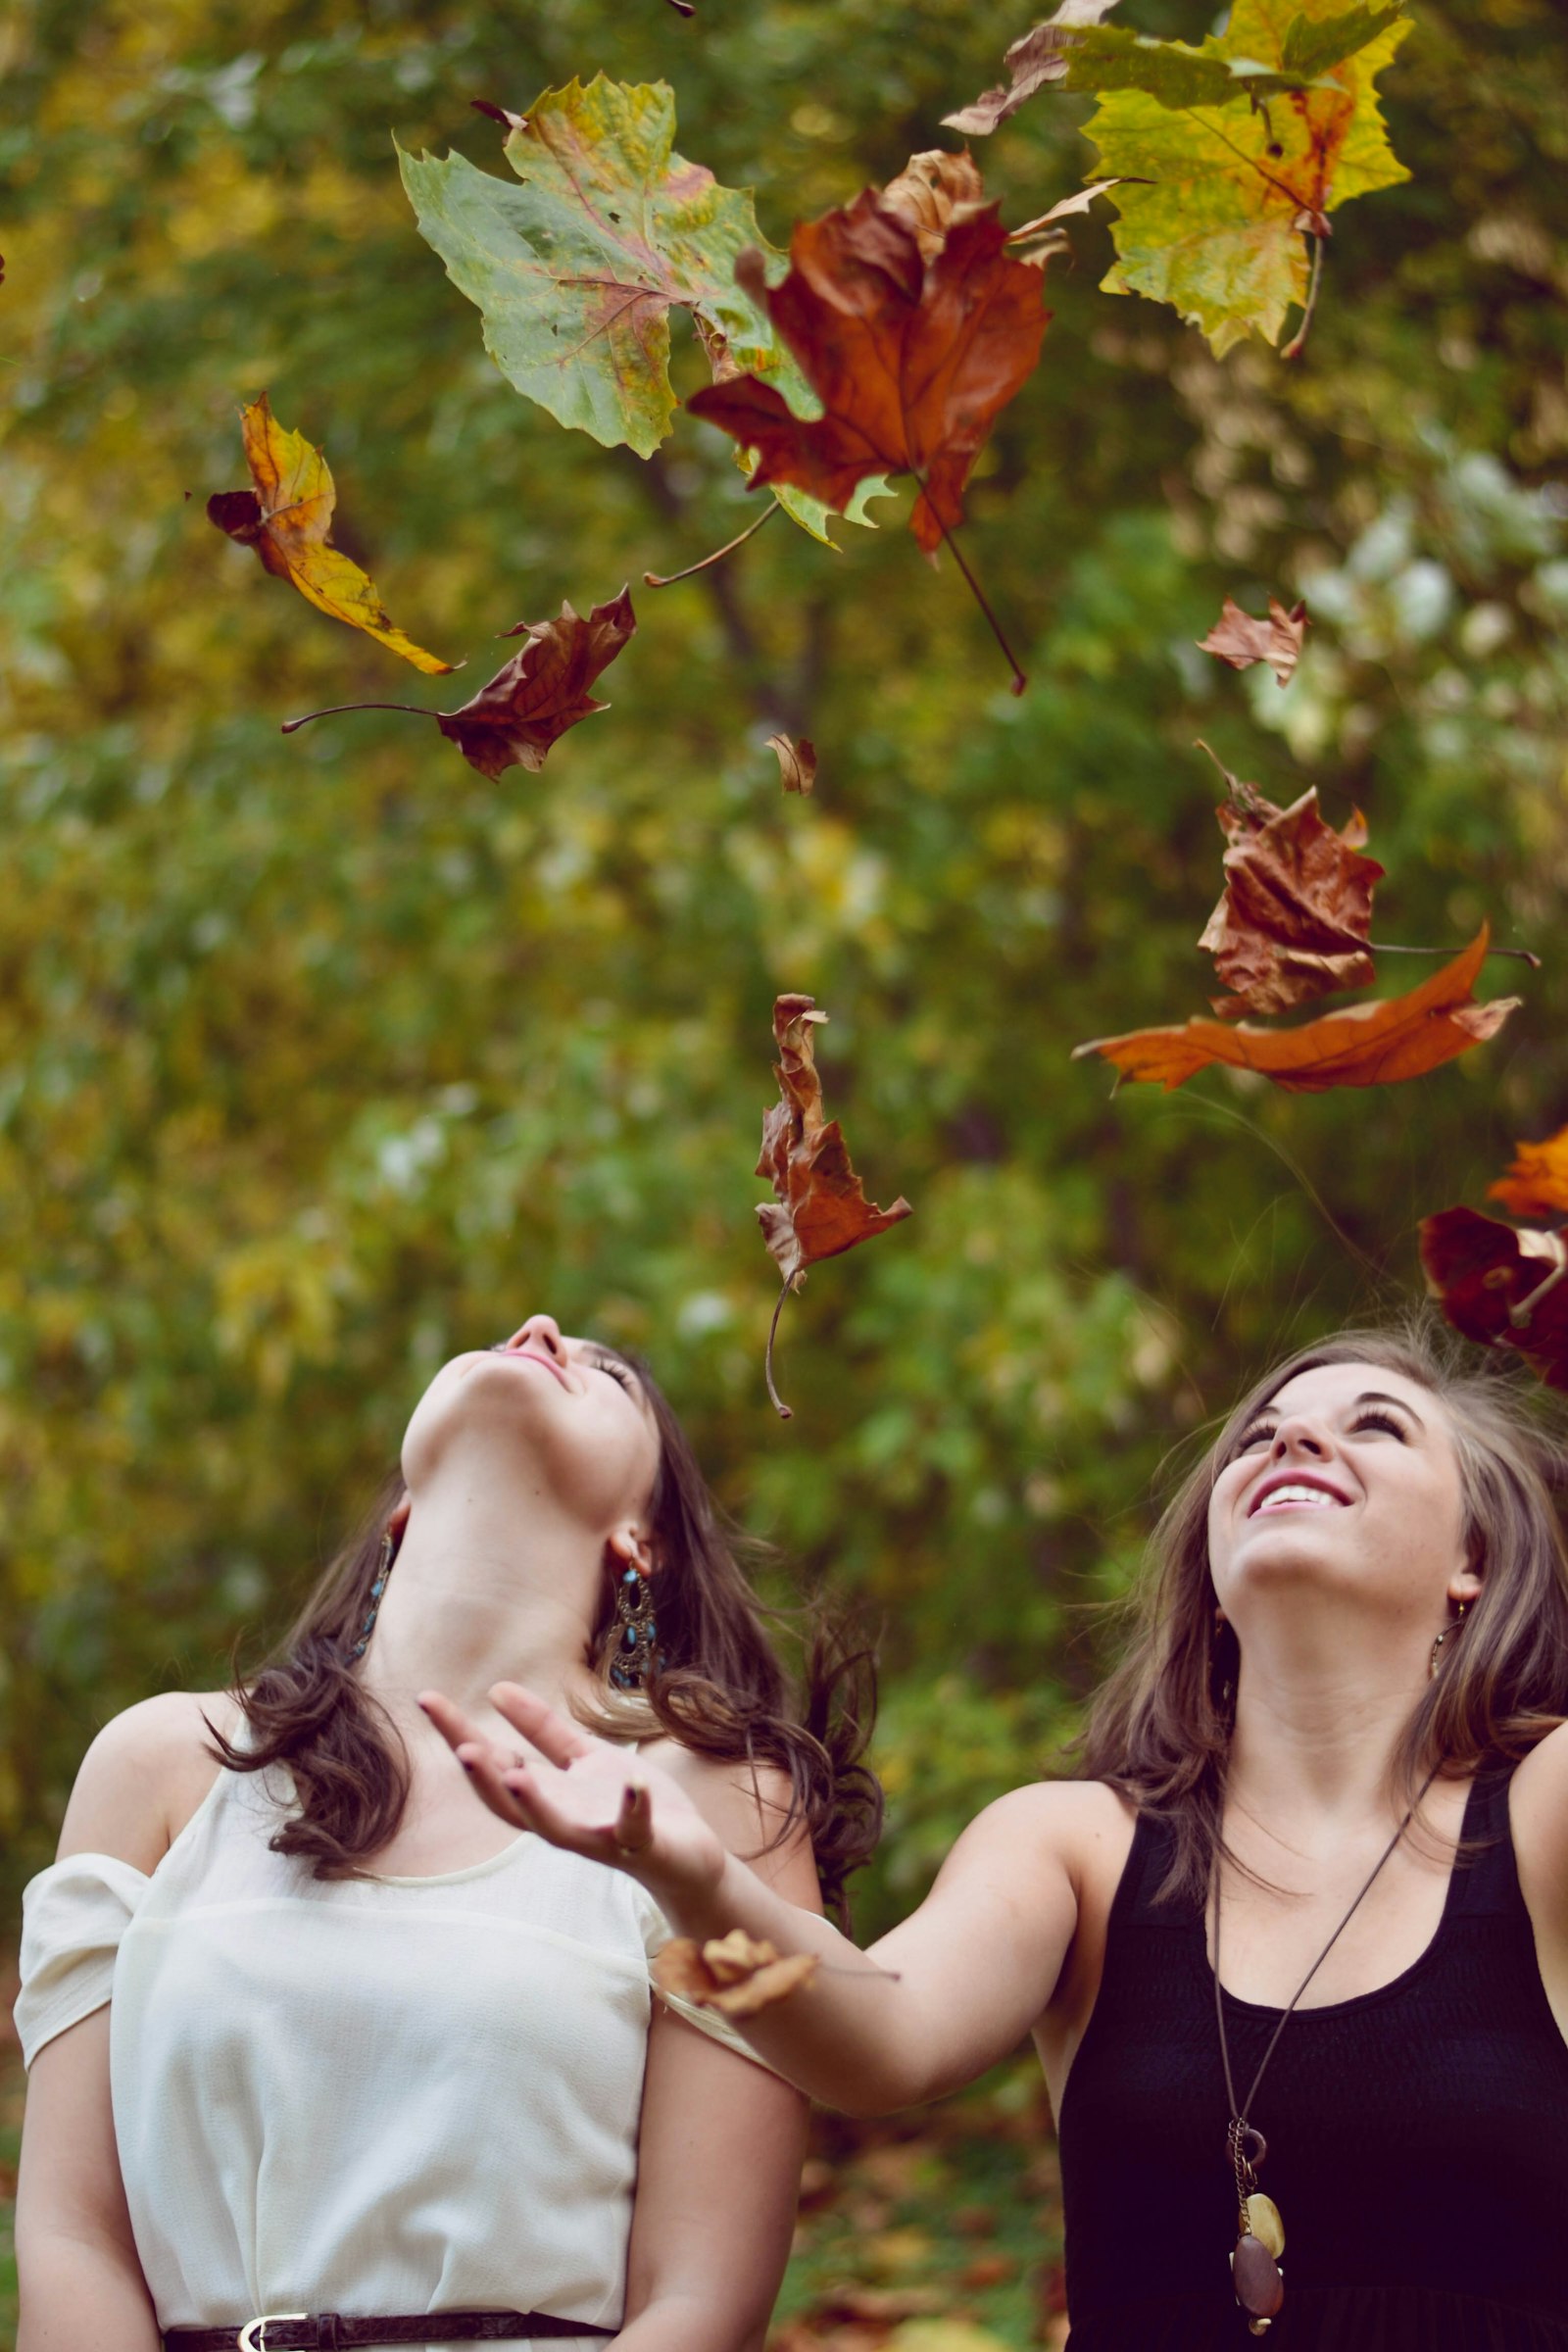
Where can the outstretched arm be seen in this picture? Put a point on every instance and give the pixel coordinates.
(932, 2005)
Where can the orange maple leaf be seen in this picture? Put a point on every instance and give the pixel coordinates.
(1366, 1045)
(733, 1973)
(1537, 1184)
(912, 357)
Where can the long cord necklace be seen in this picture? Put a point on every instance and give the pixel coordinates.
(1255, 2274)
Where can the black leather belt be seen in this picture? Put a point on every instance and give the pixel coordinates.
(339, 2332)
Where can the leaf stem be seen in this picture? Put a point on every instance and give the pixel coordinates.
(779, 1405)
(333, 710)
(1297, 342)
(1383, 947)
(653, 579)
(1019, 680)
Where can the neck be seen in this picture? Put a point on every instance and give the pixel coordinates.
(1317, 1725)
(492, 1583)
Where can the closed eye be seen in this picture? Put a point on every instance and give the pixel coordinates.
(1370, 1417)
(618, 1372)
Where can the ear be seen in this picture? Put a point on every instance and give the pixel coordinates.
(398, 1521)
(1466, 1586)
(629, 1547)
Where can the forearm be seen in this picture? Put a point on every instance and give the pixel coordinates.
(83, 2297)
(690, 2324)
(848, 2037)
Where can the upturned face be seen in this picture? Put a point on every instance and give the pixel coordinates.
(570, 1413)
(1347, 1482)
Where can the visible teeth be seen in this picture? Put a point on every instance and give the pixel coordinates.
(1311, 1495)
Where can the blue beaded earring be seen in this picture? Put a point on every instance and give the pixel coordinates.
(383, 1569)
(631, 1640)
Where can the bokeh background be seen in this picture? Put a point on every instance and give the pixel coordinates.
(322, 1058)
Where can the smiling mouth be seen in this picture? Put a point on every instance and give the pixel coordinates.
(1297, 1498)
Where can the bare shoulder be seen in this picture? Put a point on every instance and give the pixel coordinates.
(746, 1805)
(1081, 1827)
(144, 1776)
(1538, 1800)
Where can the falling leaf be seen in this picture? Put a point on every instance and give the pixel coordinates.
(1036, 239)
(821, 1207)
(1238, 186)
(287, 519)
(1501, 1286)
(1040, 57)
(797, 762)
(1239, 640)
(1296, 914)
(577, 268)
(1537, 1184)
(911, 359)
(933, 191)
(730, 1973)
(1366, 1045)
(541, 692)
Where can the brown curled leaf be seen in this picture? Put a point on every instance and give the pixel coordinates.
(732, 1974)
(287, 517)
(1239, 640)
(796, 762)
(1040, 56)
(1296, 915)
(541, 692)
(1364, 1045)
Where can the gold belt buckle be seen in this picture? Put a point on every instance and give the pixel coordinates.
(249, 2340)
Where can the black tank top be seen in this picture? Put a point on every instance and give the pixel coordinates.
(1417, 2136)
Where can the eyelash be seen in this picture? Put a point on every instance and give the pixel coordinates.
(617, 1372)
(1370, 1417)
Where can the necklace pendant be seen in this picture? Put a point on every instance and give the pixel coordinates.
(1256, 2277)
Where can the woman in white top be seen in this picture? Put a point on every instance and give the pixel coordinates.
(307, 2036)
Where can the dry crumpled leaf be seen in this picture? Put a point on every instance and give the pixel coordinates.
(730, 1973)
(1038, 239)
(1239, 640)
(287, 519)
(1537, 1184)
(1041, 56)
(541, 692)
(797, 762)
(1296, 914)
(821, 1207)
(1364, 1045)
(934, 191)
(1501, 1286)
(912, 358)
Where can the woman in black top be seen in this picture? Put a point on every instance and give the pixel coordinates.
(1353, 1666)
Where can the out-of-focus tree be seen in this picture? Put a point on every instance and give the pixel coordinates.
(322, 1057)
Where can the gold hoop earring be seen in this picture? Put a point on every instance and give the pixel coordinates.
(1436, 1646)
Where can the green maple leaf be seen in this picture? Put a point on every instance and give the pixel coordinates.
(1221, 233)
(577, 267)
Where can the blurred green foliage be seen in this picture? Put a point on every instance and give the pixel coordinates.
(324, 1057)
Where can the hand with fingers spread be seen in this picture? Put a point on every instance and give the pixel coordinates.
(585, 1794)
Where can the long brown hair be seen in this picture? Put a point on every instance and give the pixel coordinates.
(1159, 1729)
(720, 1688)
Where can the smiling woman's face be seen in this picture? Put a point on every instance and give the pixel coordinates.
(1347, 1479)
(571, 1408)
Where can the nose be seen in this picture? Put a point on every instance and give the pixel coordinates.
(544, 1333)
(1296, 1434)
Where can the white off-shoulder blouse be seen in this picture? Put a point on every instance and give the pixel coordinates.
(382, 2094)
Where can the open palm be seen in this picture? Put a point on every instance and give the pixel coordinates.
(584, 1795)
